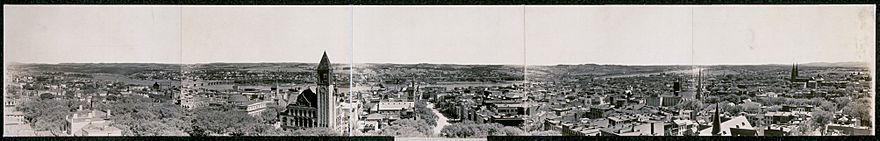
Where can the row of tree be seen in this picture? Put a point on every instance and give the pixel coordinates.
(210, 121)
(860, 108)
(47, 114)
(469, 129)
(421, 126)
(425, 114)
(408, 128)
(138, 116)
(774, 103)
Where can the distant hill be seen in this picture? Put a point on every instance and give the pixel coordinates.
(836, 64)
(111, 68)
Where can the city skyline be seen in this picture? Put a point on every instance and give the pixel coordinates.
(439, 71)
(247, 94)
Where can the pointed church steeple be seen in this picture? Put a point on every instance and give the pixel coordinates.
(716, 122)
(699, 84)
(325, 72)
(794, 72)
(325, 62)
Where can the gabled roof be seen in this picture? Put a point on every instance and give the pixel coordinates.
(306, 98)
(739, 122)
(684, 122)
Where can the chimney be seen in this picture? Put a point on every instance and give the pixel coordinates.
(108, 113)
(80, 108)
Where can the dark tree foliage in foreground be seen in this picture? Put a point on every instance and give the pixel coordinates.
(408, 128)
(860, 108)
(424, 113)
(138, 116)
(46, 96)
(47, 114)
(209, 121)
(469, 129)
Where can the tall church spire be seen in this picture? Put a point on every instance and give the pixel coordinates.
(794, 72)
(716, 122)
(325, 62)
(699, 84)
(325, 72)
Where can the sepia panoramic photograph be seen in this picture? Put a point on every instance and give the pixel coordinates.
(439, 72)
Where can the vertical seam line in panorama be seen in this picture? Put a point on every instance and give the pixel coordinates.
(525, 57)
(180, 47)
(351, 70)
(693, 53)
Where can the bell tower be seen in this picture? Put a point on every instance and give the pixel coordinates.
(326, 97)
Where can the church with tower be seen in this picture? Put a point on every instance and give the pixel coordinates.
(314, 106)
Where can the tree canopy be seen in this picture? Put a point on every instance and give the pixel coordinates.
(47, 114)
(424, 113)
(138, 116)
(46, 96)
(860, 108)
(408, 128)
(690, 105)
(469, 129)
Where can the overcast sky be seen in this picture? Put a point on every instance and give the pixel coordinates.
(266, 34)
(110, 34)
(699, 34)
(435, 34)
(534, 35)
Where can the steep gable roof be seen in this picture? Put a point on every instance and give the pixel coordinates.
(306, 98)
